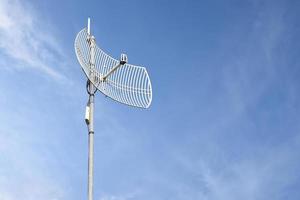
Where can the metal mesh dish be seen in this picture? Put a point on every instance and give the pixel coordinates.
(129, 84)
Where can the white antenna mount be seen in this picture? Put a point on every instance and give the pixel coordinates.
(122, 82)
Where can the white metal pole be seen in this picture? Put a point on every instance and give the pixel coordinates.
(91, 90)
(91, 145)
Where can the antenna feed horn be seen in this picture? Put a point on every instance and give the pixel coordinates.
(123, 59)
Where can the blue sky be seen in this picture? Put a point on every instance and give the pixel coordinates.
(224, 122)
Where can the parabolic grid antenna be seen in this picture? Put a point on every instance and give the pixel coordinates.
(125, 83)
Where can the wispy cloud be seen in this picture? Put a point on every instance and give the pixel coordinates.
(22, 173)
(248, 155)
(28, 41)
(128, 196)
(265, 175)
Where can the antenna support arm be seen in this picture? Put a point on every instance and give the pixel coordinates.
(123, 61)
(111, 71)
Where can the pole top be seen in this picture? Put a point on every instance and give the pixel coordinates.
(89, 26)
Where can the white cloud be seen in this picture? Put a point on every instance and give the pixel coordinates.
(26, 44)
(266, 174)
(27, 40)
(242, 162)
(128, 196)
(24, 173)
